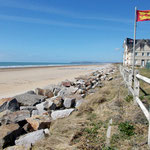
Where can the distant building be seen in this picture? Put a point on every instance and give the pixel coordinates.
(142, 52)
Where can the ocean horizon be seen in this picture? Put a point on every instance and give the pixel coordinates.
(42, 64)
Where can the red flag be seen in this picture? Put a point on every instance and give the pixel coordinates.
(143, 15)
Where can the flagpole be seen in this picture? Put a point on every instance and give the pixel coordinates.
(133, 63)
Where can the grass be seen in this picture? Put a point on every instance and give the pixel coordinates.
(86, 128)
(146, 87)
(126, 129)
(129, 98)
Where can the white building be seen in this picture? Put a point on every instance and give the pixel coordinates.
(142, 52)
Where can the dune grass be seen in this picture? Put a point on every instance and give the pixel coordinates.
(86, 128)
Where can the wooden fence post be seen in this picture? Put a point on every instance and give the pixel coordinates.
(149, 129)
(130, 78)
(130, 82)
(136, 86)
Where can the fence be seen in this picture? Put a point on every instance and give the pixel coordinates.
(134, 88)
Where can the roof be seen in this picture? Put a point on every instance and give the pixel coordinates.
(138, 43)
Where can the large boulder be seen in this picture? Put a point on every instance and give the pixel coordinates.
(8, 134)
(28, 99)
(32, 137)
(61, 113)
(39, 122)
(67, 91)
(69, 102)
(30, 108)
(54, 88)
(58, 101)
(14, 117)
(18, 147)
(50, 105)
(45, 92)
(40, 108)
(9, 104)
(67, 83)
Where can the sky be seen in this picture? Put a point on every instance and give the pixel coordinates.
(68, 30)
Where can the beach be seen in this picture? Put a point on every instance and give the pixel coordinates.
(15, 81)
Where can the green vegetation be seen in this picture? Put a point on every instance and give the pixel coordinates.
(126, 129)
(109, 148)
(128, 98)
(145, 92)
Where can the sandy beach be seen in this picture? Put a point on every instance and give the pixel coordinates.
(14, 81)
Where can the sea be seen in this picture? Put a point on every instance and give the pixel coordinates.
(41, 64)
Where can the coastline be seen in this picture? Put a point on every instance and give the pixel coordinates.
(14, 81)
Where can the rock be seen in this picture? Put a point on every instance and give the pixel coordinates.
(110, 78)
(35, 112)
(66, 83)
(39, 122)
(27, 99)
(103, 77)
(54, 88)
(48, 93)
(99, 84)
(14, 117)
(31, 92)
(72, 90)
(88, 87)
(9, 104)
(56, 91)
(40, 108)
(80, 82)
(80, 91)
(67, 91)
(58, 101)
(79, 102)
(50, 105)
(94, 86)
(61, 113)
(62, 92)
(88, 83)
(9, 133)
(69, 102)
(29, 108)
(30, 138)
(18, 147)
(98, 75)
(83, 95)
(44, 92)
(94, 81)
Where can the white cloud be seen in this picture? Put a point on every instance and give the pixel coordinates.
(57, 11)
(46, 22)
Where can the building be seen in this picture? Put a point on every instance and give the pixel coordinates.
(142, 52)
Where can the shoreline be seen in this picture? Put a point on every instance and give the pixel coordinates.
(43, 66)
(15, 81)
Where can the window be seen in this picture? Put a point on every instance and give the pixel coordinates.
(136, 54)
(142, 54)
(148, 54)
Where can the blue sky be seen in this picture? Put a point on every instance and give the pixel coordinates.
(68, 30)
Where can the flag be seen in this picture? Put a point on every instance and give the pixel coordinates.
(143, 15)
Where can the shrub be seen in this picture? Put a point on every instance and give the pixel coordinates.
(126, 128)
